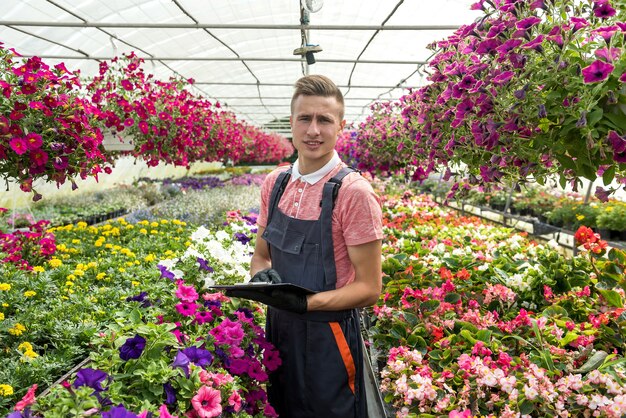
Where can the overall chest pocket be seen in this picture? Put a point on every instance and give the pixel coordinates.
(296, 260)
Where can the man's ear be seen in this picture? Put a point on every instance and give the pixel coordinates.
(342, 124)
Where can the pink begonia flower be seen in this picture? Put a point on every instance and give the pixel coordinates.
(207, 402)
(460, 414)
(28, 399)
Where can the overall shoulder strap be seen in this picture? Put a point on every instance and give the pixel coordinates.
(329, 196)
(277, 191)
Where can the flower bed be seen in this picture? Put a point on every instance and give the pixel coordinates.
(172, 346)
(479, 321)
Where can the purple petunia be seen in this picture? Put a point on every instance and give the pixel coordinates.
(527, 23)
(119, 412)
(618, 143)
(597, 71)
(92, 378)
(182, 361)
(132, 348)
(204, 265)
(166, 273)
(170, 393)
(198, 356)
(242, 238)
(606, 32)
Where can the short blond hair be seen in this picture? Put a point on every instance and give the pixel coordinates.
(318, 85)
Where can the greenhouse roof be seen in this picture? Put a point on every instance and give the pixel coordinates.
(241, 53)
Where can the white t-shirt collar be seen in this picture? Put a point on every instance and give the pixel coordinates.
(316, 176)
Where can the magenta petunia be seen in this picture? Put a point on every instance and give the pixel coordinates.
(129, 122)
(623, 78)
(597, 71)
(607, 54)
(19, 145)
(143, 127)
(534, 43)
(127, 85)
(603, 9)
(618, 143)
(187, 308)
(487, 46)
(33, 141)
(503, 78)
(38, 157)
(527, 23)
(186, 293)
(606, 32)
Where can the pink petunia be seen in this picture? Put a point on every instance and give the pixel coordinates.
(127, 85)
(607, 54)
(207, 402)
(186, 293)
(164, 413)
(28, 399)
(234, 400)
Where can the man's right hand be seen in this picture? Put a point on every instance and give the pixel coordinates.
(266, 276)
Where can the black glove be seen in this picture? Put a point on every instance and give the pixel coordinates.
(266, 276)
(277, 298)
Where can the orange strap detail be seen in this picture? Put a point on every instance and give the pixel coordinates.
(346, 355)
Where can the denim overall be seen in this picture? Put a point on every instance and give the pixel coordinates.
(321, 375)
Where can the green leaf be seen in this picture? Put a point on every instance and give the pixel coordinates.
(468, 336)
(608, 175)
(612, 297)
(595, 116)
(593, 363)
(569, 337)
(410, 318)
(484, 335)
(526, 407)
(452, 298)
(398, 331)
(554, 311)
(430, 305)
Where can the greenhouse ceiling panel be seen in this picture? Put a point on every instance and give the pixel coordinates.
(241, 53)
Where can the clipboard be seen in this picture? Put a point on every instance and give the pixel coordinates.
(265, 287)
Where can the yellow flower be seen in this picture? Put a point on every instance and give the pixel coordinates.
(154, 224)
(129, 264)
(31, 354)
(81, 224)
(143, 231)
(100, 276)
(25, 346)
(79, 272)
(149, 257)
(121, 270)
(580, 217)
(68, 283)
(129, 226)
(5, 305)
(98, 243)
(75, 241)
(55, 262)
(5, 286)
(164, 221)
(1, 316)
(169, 252)
(71, 277)
(6, 390)
(61, 247)
(176, 222)
(187, 243)
(29, 293)
(134, 283)
(38, 269)
(108, 245)
(137, 262)
(17, 330)
(117, 247)
(106, 227)
(92, 264)
(154, 231)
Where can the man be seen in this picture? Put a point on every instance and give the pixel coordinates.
(328, 244)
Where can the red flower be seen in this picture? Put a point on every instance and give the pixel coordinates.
(585, 234)
(38, 157)
(28, 399)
